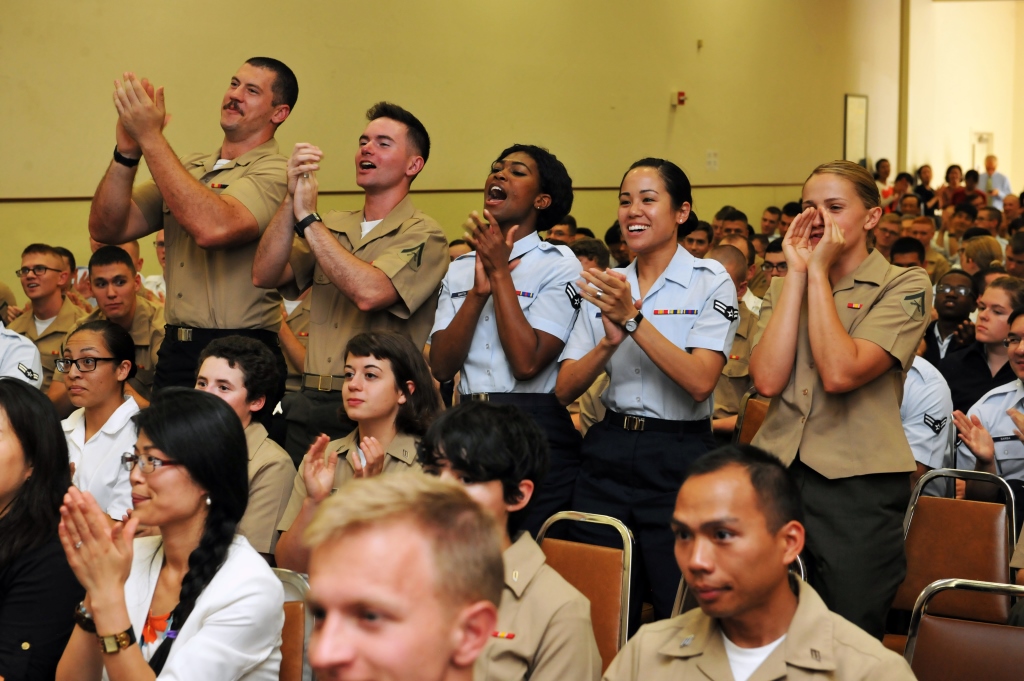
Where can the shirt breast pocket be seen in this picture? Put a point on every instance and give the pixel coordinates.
(319, 310)
(1010, 455)
(675, 326)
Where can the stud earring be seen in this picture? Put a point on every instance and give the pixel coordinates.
(208, 502)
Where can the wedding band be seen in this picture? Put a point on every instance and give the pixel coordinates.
(78, 546)
(598, 294)
(305, 175)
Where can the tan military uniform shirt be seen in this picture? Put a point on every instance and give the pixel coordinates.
(298, 322)
(592, 409)
(147, 333)
(51, 343)
(544, 632)
(271, 476)
(212, 289)
(818, 645)
(408, 246)
(937, 265)
(735, 379)
(857, 432)
(400, 457)
(1017, 560)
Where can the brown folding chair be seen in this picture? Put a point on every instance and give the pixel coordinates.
(941, 648)
(753, 409)
(600, 573)
(298, 625)
(686, 602)
(956, 539)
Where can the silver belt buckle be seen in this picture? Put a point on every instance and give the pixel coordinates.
(184, 335)
(480, 397)
(320, 383)
(633, 423)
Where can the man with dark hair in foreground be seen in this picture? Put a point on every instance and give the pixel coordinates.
(738, 524)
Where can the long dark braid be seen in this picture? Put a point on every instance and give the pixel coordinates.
(177, 419)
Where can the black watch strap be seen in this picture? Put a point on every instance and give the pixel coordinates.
(300, 226)
(124, 160)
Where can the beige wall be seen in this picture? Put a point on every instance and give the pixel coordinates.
(964, 66)
(590, 79)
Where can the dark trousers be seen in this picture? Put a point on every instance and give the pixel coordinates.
(308, 413)
(854, 551)
(178, 361)
(635, 476)
(554, 492)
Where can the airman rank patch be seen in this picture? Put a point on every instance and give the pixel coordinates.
(29, 374)
(686, 312)
(935, 424)
(730, 312)
(575, 299)
(913, 305)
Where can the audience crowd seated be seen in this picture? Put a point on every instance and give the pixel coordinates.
(165, 507)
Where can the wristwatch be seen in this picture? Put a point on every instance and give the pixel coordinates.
(300, 226)
(631, 324)
(84, 619)
(116, 642)
(124, 160)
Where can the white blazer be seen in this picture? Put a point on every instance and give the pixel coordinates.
(234, 631)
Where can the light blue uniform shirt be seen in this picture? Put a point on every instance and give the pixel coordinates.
(926, 413)
(693, 304)
(19, 358)
(540, 279)
(991, 409)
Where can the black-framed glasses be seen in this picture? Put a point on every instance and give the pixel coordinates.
(84, 364)
(777, 266)
(158, 243)
(959, 290)
(146, 464)
(1012, 342)
(38, 270)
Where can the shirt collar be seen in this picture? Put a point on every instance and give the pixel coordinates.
(679, 270)
(524, 246)
(391, 222)
(403, 447)
(255, 436)
(119, 419)
(808, 644)
(523, 560)
(208, 161)
(872, 271)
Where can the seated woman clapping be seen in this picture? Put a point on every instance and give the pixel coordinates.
(389, 393)
(198, 600)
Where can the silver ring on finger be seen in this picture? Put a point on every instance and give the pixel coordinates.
(305, 176)
(598, 293)
(78, 545)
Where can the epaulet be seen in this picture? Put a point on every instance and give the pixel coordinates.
(564, 250)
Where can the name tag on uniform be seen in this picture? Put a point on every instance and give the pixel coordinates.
(686, 312)
(1004, 438)
(460, 294)
(525, 294)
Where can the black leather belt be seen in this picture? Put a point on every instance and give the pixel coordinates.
(518, 399)
(649, 424)
(324, 384)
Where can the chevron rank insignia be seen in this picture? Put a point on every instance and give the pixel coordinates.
(913, 305)
(29, 374)
(415, 254)
(935, 424)
(727, 311)
(574, 298)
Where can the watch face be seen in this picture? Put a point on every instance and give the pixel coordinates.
(631, 325)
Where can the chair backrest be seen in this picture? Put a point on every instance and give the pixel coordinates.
(949, 538)
(752, 412)
(600, 573)
(298, 625)
(945, 648)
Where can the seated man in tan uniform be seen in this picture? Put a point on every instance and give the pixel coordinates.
(52, 316)
(544, 631)
(212, 208)
(735, 379)
(242, 372)
(738, 527)
(373, 269)
(116, 285)
(404, 580)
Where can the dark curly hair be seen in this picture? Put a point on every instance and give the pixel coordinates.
(407, 364)
(32, 516)
(177, 419)
(485, 442)
(554, 181)
(253, 359)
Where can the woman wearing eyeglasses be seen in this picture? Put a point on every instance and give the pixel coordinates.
(198, 600)
(98, 360)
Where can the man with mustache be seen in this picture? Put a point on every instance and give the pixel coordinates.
(212, 208)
